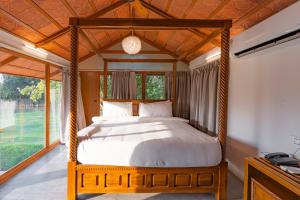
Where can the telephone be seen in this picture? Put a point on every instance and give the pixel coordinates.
(276, 155)
(280, 158)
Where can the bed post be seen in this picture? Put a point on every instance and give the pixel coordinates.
(73, 113)
(221, 194)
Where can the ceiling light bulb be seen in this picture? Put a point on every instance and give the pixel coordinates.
(132, 45)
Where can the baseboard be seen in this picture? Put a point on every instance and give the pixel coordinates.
(235, 170)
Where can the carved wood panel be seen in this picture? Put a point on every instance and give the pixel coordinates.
(128, 179)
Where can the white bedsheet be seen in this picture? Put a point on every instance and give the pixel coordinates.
(147, 142)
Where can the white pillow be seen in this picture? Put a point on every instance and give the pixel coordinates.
(117, 109)
(157, 109)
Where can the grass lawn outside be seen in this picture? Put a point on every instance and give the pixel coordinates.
(24, 138)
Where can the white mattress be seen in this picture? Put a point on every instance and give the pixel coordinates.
(147, 142)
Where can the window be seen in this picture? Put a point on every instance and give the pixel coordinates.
(155, 87)
(139, 86)
(109, 94)
(22, 119)
(55, 97)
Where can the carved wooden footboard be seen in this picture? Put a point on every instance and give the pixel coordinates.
(116, 179)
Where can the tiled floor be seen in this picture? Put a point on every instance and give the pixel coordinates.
(46, 180)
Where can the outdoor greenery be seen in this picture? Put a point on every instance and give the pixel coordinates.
(109, 94)
(139, 86)
(34, 92)
(22, 118)
(17, 87)
(11, 86)
(155, 87)
(11, 154)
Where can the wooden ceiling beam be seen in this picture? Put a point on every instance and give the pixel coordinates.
(22, 38)
(139, 28)
(140, 60)
(168, 5)
(185, 41)
(186, 12)
(69, 7)
(201, 44)
(55, 73)
(26, 68)
(217, 32)
(92, 4)
(262, 5)
(161, 48)
(218, 9)
(66, 29)
(211, 15)
(52, 37)
(107, 9)
(102, 48)
(141, 52)
(20, 55)
(7, 60)
(44, 13)
(147, 23)
(168, 16)
(84, 35)
(17, 20)
(214, 34)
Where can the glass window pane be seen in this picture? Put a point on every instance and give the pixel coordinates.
(22, 118)
(155, 87)
(55, 97)
(109, 95)
(102, 86)
(139, 86)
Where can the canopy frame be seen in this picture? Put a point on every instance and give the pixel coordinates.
(176, 24)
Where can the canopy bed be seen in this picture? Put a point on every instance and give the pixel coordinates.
(99, 176)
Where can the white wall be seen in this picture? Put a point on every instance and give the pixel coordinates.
(264, 101)
(95, 63)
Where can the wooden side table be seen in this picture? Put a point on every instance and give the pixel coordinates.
(264, 181)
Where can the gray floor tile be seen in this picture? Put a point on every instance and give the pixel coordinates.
(46, 180)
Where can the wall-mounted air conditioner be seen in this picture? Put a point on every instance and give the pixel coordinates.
(269, 43)
(281, 27)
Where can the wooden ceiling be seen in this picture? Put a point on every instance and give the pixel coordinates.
(14, 63)
(45, 23)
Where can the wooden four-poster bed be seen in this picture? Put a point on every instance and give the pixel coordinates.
(83, 178)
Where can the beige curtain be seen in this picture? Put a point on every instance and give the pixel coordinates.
(133, 86)
(65, 107)
(168, 85)
(203, 106)
(183, 88)
(123, 85)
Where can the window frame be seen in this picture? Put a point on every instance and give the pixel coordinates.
(144, 75)
(47, 145)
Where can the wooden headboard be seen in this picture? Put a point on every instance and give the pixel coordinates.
(135, 103)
